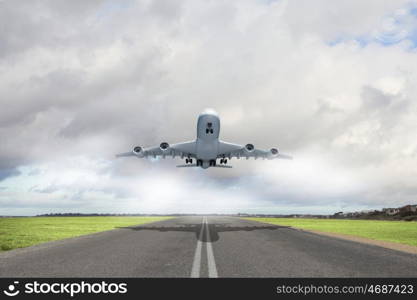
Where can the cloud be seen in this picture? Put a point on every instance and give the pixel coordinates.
(330, 83)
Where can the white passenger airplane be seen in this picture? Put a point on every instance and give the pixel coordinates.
(207, 148)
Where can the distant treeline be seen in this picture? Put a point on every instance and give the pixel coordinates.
(403, 213)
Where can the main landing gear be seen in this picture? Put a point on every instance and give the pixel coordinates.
(223, 161)
(211, 163)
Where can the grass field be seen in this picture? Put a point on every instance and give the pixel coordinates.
(28, 231)
(392, 231)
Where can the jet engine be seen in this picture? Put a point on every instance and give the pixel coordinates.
(137, 149)
(249, 147)
(164, 146)
(274, 151)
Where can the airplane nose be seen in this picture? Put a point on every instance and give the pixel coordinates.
(209, 111)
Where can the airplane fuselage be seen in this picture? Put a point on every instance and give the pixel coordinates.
(207, 142)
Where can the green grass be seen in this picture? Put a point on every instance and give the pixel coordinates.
(392, 231)
(28, 231)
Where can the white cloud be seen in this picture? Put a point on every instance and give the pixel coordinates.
(330, 82)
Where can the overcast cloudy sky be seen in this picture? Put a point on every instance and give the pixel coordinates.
(332, 83)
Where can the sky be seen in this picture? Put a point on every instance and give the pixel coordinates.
(331, 83)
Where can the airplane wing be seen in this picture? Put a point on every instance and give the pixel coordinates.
(229, 150)
(185, 149)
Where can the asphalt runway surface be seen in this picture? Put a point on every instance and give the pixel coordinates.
(206, 247)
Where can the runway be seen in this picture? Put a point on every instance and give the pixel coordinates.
(206, 247)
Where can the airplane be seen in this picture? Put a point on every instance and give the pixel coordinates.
(207, 148)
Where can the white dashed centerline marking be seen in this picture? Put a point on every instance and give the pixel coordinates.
(195, 271)
(212, 270)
